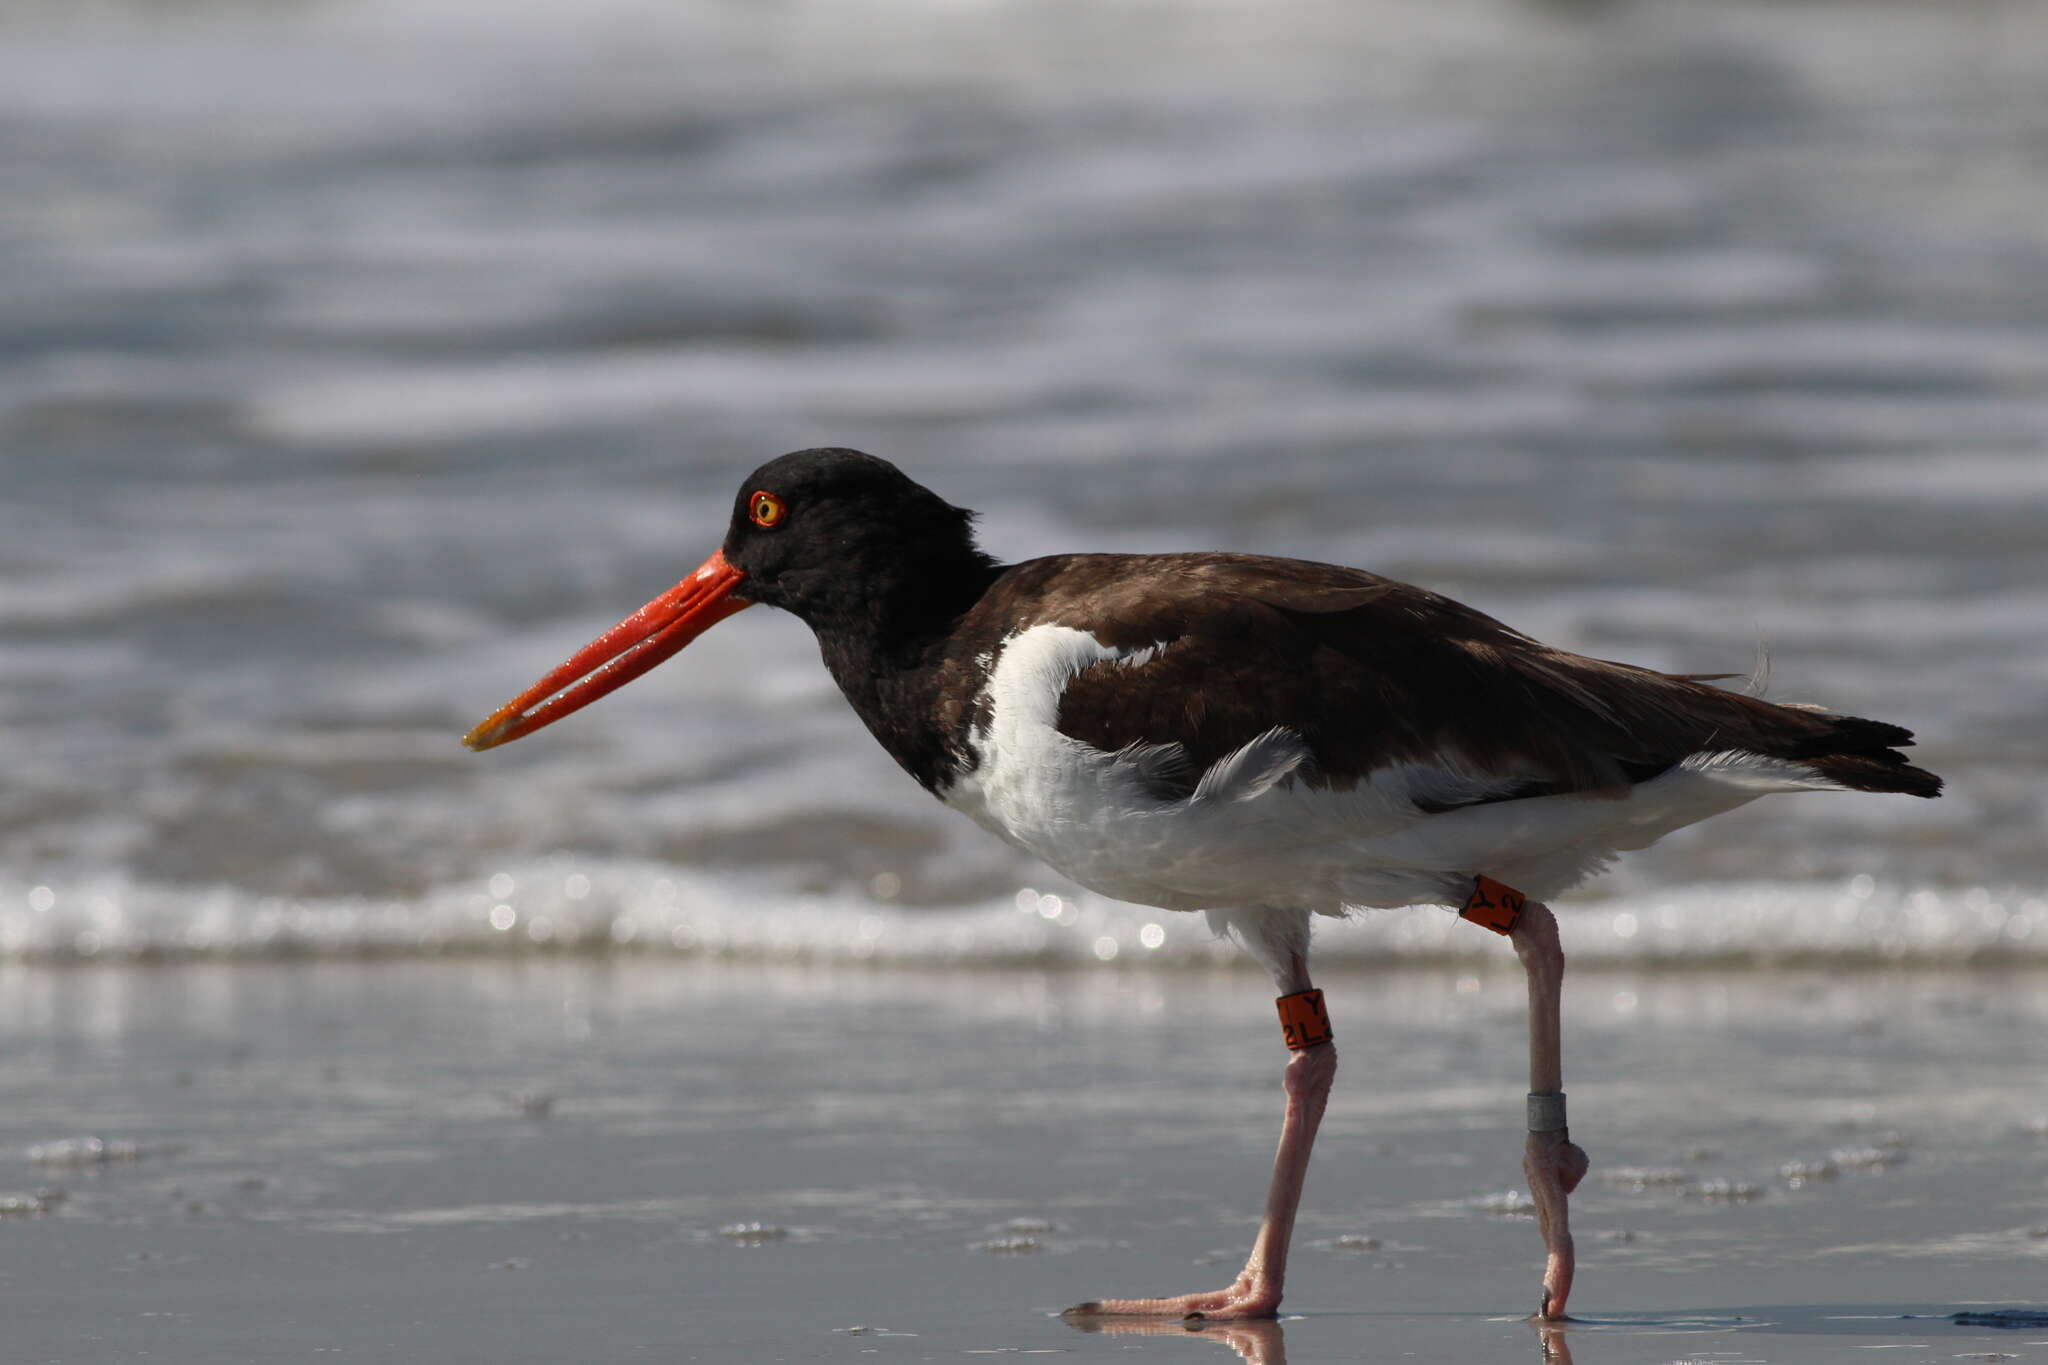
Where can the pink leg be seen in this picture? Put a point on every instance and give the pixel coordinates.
(1553, 1163)
(1255, 1293)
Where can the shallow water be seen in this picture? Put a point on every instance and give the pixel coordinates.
(363, 358)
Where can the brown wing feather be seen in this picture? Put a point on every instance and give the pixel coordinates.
(1373, 672)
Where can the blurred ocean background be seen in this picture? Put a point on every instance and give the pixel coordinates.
(360, 359)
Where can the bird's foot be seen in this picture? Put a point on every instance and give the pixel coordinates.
(1554, 1165)
(1557, 1286)
(1245, 1298)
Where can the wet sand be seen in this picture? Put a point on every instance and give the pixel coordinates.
(599, 1159)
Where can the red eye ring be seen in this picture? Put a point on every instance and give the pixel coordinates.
(765, 509)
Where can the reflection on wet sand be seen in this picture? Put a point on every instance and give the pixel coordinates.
(1265, 1342)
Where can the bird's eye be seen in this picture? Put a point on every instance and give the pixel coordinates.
(766, 509)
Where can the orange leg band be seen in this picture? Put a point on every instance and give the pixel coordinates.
(1303, 1020)
(1493, 906)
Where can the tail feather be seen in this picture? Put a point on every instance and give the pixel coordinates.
(1849, 751)
(1863, 755)
(1853, 735)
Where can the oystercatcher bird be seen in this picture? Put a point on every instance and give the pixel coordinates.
(1260, 739)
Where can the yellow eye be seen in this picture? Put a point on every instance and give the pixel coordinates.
(766, 509)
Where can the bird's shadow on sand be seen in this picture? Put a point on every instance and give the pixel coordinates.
(1265, 1343)
(1823, 1319)
(1962, 1324)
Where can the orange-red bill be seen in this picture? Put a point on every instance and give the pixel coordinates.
(636, 644)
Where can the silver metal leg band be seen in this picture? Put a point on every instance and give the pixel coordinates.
(1546, 1114)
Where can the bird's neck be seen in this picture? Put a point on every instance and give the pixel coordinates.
(896, 661)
